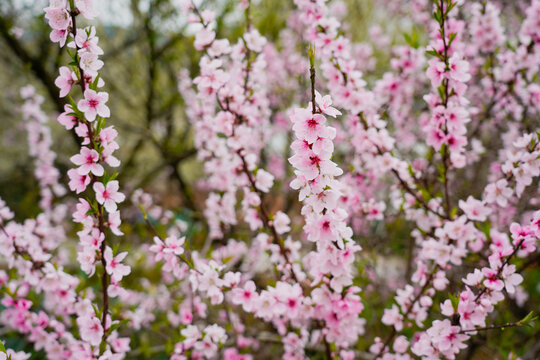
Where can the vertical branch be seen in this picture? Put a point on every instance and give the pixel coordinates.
(446, 151)
(311, 55)
(101, 223)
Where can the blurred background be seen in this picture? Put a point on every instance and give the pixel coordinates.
(146, 44)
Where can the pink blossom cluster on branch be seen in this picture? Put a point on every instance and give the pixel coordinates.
(64, 296)
(438, 151)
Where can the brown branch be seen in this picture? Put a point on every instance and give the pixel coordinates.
(409, 309)
(264, 214)
(493, 327)
(101, 223)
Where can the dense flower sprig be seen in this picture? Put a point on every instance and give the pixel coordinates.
(87, 118)
(255, 269)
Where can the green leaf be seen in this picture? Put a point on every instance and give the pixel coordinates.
(440, 89)
(454, 298)
(2, 348)
(451, 38)
(450, 7)
(143, 211)
(311, 55)
(530, 317)
(510, 46)
(411, 171)
(437, 16)
(412, 39)
(73, 103)
(433, 53)
(93, 86)
(96, 311)
(425, 194)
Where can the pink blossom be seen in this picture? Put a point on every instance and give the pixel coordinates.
(492, 280)
(474, 209)
(67, 120)
(88, 162)
(436, 72)
(174, 245)
(87, 259)
(324, 103)
(91, 64)
(113, 223)
(254, 40)
(459, 68)
(393, 317)
(204, 38)
(281, 222)
(498, 192)
(78, 182)
(108, 195)
(58, 17)
(86, 8)
(90, 329)
(80, 216)
(94, 104)
(247, 296)
(59, 36)
(309, 126)
(114, 266)
(65, 81)
(264, 180)
(511, 278)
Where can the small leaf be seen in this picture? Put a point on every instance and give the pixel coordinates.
(143, 211)
(442, 94)
(530, 317)
(425, 194)
(437, 16)
(311, 55)
(93, 86)
(451, 38)
(432, 53)
(454, 298)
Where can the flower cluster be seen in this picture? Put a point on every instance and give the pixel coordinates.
(99, 212)
(39, 145)
(401, 202)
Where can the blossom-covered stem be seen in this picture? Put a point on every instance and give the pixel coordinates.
(35, 264)
(409, 309)
(494, 327)
(446, 152)
(311, 55)
(198, 13)
(73, 14)
(265, 217)
(154, 231)
(402, 182)
(248, 50)
(500, 270)
(261, 209)
(239, 119)
(104, 277)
